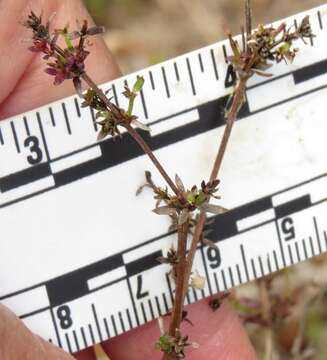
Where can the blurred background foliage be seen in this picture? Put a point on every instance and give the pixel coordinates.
(144, 32)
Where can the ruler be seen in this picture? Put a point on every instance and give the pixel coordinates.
(79, 249)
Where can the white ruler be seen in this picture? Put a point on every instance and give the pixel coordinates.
(78, 249)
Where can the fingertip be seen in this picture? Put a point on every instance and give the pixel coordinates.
(87, 354)
(219, 334)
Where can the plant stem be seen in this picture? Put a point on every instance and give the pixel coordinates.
(185, 262)
(176, 317)
(232, 115)
(180, 270)
(136, 136)
(236, 104)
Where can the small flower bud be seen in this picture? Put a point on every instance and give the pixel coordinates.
(198, 282)
(138, 84)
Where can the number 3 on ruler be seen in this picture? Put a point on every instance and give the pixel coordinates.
(33, 143)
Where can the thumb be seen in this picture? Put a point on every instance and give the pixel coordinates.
(17, 342)
(24, 84)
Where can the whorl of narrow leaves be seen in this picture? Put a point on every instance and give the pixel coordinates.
(69, 64)
(63, 63)
(266, 45)
(174, 344)
(180, 207)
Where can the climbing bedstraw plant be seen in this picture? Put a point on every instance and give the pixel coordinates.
(187, 208)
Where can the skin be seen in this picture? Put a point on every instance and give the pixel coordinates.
(24, 86)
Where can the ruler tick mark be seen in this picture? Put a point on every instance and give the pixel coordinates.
(216, 282)
(95, 315)
(69, 130)
(53, 122)
(203, 295)
(169, 288)
(15, 136)
(38, 116)
(311, 246)
(290, 254)
(280, 243)
(143, 312)
(152, 80)
(115, 94)
(151, 309)
(55, 327)
(254, 269)
(244, 263)
(1, 138)
(239, 274)
(297, 252)
(114, 324)
(165, 81)
(106, 327)
(26, 126)
(91, 334)
(129, 319)
(121, 320)
(176, 71)
(68, 343)
(305, 249)
(311, 41)
(269, 264)
(225, 53)
(317, 234)
(276, 260)
(195, 294)
(78, 111)
(84, 337)
(188, 298)
(76, 340)
(133, 301)
(201, 62)
(214, 63)
(206, 270)
(224, 279)
(145, 110)
(320, 20)
(231, 277)
(189, 68)
(261, 266)
(94, 122)
(325, 236)
(165, 302)
(158, 305)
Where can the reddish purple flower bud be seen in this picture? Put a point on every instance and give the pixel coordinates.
(60, 77)
(51, 71)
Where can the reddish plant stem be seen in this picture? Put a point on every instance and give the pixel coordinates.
(185, 262)
(232, 115)
(135, 135)
(186, 266)
(180, 271)
(176, 317)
